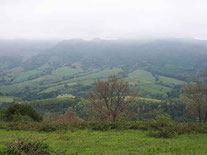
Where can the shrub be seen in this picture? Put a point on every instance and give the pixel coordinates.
(49, 127)
(29, 146)
(23, 112)
(164, 118)
(154, 124)
(111, 125)
(181, 128)
(162, 133)
(19, 117)
(103, 126)
(2, 114)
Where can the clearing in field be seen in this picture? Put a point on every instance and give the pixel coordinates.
(5, 99)
(170, 81)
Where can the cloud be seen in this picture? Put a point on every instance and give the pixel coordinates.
(108, 19)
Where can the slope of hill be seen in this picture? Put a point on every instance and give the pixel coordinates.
(154, 67)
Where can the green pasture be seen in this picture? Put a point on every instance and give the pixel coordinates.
(127, 142)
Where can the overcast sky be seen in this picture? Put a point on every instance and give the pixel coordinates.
(106, 19)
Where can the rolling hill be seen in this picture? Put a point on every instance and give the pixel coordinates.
(45, 69)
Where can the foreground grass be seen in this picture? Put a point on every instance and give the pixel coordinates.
(113, 142)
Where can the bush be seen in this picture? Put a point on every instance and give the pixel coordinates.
(164, 118)
(29, 146)
(2, 114)
(19, 117)
(21, 112)
(162, 133)
(104, 126)
(181, 128)
(50, 127)
(153, 125)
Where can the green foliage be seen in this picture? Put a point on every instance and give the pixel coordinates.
(54, 105)
(43, 126)
(182, 128)
(23, 112)
(147, 109)
(49, 127)
(160, 127)
(25, 146)
(19, 117)
(164, 118)
(2, 114)
(104, 126)
(162, 133)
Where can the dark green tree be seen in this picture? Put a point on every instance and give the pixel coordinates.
(21, 111)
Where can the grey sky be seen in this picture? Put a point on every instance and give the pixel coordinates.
(107, 19)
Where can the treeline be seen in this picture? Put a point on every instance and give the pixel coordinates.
(186, 104)
(114, 100)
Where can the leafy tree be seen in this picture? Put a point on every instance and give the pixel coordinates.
(21, 111)
(196, 93)
(110, 98)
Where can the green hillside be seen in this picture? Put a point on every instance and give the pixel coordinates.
(154, 68)
(4, 99)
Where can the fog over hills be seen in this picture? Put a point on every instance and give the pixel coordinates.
(50, 68)
(103, 77)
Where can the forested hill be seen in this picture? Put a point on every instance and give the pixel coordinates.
(44, 69)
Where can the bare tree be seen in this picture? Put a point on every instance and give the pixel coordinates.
(196, 93)
(110, 98)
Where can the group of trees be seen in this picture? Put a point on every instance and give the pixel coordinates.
(17, 112)
(113, 99)
(196, 94)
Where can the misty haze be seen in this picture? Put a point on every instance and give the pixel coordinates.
(103, 77)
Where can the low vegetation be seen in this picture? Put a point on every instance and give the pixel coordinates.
(25, 146)
(110, 142)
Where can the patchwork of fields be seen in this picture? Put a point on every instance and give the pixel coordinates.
(67, 79)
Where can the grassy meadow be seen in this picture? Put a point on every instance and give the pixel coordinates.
(112, 142)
